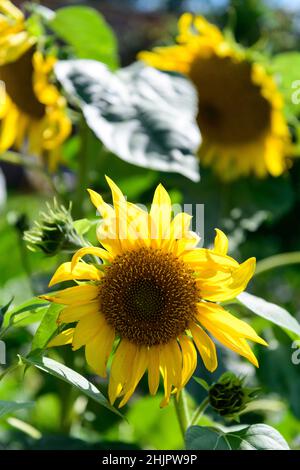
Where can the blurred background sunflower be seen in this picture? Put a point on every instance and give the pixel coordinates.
(33, 113)
(240, 113)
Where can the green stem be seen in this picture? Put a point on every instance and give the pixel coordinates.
(182, 412)
(277, 261)
(82, 170)
(26, 264)
(199, 411)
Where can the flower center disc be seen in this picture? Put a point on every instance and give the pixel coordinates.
(231, 107)
(148, 296)
(18, 79)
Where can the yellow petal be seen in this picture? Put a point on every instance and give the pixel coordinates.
(219, 277)
(97, 350)
(9, 9)
(74, 313)
(82, 271)
(221, 243)
(202, 257)
(160, 215)
(87, 328)
(121, 369)
(90, 250)
(117, 194)
(189, 356)
(213, 315)
(236, 344)
(74, 295)
(102, 207)
(138, 369)
(205, 347)
(66, 337)
(153, 369)
(8, 129)
(171, 368)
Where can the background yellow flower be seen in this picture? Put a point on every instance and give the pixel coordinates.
(33, 113)
(240, 114)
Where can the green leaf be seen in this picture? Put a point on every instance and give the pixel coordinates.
(87, 32)
(254, 437)
(82, 226)
(3, 310)
(270, 311)
(287, 68)
(9, 407)
(47, 327)
(71, 377)
(202, 382)
(26, 313)
(144, 116)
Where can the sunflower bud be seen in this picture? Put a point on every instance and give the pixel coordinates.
(229, 397)
(54, 231)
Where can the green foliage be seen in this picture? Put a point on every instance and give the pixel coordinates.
(62, 372)
(277, 315)
(87, 32)
(279, 374)
(153, 125)
(47, 328)
(254, 437)
(10, 407)
(287, 68)
(141, 132)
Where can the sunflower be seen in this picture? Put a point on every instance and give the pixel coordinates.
(151, 302)
(32, 111)
(240, 113)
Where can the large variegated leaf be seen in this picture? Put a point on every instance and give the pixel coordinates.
(144, 116)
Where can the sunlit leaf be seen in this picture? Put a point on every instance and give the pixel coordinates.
(46, 328)
(270, 311)
(26, 313)
(70, 376)
(87, 32)
(287, 68)
(144, 116)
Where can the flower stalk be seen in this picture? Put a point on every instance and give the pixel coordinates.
(182, 412)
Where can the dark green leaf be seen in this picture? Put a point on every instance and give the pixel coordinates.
(87, 32)
(270, 311)
(254, 437)
(71, 377)
(144, 116)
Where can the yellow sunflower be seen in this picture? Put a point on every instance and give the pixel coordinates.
(240, 108)
(33, 114)
(153, 299)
